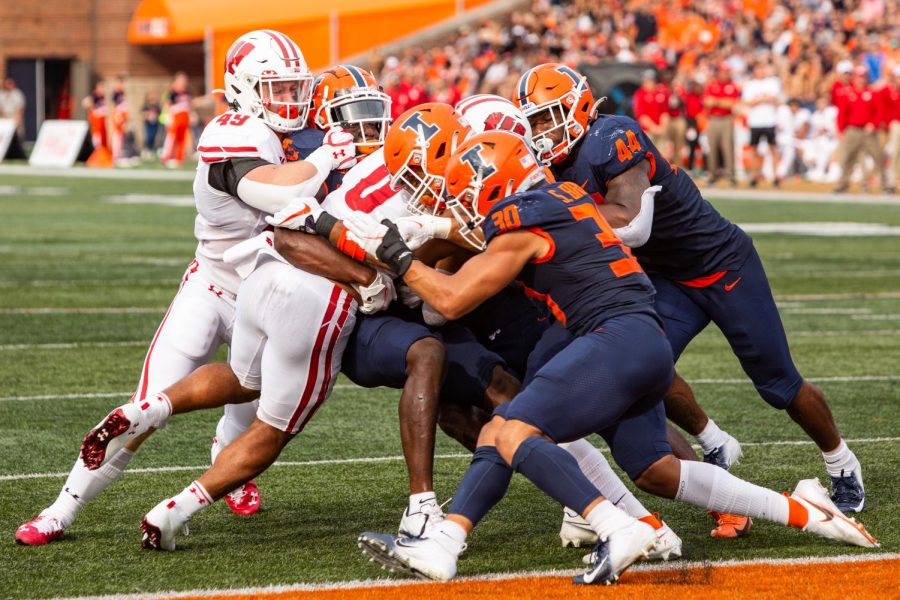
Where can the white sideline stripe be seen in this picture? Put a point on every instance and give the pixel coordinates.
(383, 459)
(6, 283)
(674, 566)
(93, 310)
(350, 386)
(841, 296)
(125, 344)
(67, 346)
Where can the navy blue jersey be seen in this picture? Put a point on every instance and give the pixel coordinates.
(689, 238)
(302, 143)
(587, 276)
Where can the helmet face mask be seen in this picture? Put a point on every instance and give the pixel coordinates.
(266, 76)
(484, 170)
(349, 97)
(416, 150)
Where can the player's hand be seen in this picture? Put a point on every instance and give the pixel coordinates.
(431, 316)
(408, 297)
(300, 214)
(419, 229)
(377, 294)
(339, 144)
(365, 231)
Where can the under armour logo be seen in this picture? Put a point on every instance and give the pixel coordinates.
(71, 493)
(215, 291)
(200, 497)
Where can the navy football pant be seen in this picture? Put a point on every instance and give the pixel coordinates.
(610, 381)
(742, 306)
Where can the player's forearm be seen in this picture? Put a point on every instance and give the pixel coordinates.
(440, 291)
(314, 255)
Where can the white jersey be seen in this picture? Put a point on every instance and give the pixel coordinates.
(789, 125)
(823, 123)
(367, 188)
(224, 220)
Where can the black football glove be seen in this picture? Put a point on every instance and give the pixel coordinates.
(393, 251)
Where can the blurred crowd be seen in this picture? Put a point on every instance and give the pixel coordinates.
(812, 85)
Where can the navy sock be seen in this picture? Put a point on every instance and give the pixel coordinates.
(483, 485)
(555, 472)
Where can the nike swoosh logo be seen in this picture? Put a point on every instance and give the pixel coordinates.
(299, 213)
(730, 286)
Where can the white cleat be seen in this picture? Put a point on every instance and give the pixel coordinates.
(160, 525)
(826, 520)
(120, 427)
(668, 544)
(416, 524)
(726, 455)
(432, 558)
(575, 531)
(667, 547)
(620, 550)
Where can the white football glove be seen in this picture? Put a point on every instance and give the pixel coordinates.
(365, 231)
(376, 295)
(339, 144)
(418, 229)
(300, 214)
(408, 297)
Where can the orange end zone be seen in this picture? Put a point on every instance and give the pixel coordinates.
(822, 581)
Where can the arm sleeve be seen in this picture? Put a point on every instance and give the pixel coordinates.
(225, 176)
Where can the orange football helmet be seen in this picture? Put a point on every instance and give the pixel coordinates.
(565, 95)
(351, 98)
(484, 170)
(416, 151)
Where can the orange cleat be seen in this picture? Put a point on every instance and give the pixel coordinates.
(730, 526)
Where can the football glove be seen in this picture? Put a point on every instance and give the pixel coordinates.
(300, 214)
(419, 229)
(377, 294)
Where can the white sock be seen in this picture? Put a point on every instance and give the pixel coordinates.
(841, 461)
(607, 518)
(83, 485)
(711, 437)
(417, 500)
(157, 408)
(450, 535)
(191, 499)
(596, 468)
(710, 487)
(236, 419)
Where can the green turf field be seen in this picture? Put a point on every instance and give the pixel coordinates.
(65, 247)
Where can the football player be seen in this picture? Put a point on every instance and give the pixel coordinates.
(551, 238)
(704, 267)
(242, 176)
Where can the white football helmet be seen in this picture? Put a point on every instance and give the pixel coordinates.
(487, 112)
(266, 76)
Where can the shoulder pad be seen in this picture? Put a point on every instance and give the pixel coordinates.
(233, 135)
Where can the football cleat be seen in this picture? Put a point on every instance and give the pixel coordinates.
(730, 526)
(160, 525)
(667, 546)
(244, 500)
(848, 493)
(618, 552)
(726, 455)
(826, 520)
(39, 531)
(117, 428)
(417, 523)
(432, 557)
(575, 531)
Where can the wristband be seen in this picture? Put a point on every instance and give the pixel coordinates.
(324, 224)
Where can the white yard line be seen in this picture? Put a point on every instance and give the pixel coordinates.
(87, 310)
(674, 566)
(68, 346)
(350, 386)
(383, 459)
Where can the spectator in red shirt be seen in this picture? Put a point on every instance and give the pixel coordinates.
(693, 110)
(861, 106)
(839, 88)
(651, 106)
(891, 113)
(719, 99)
